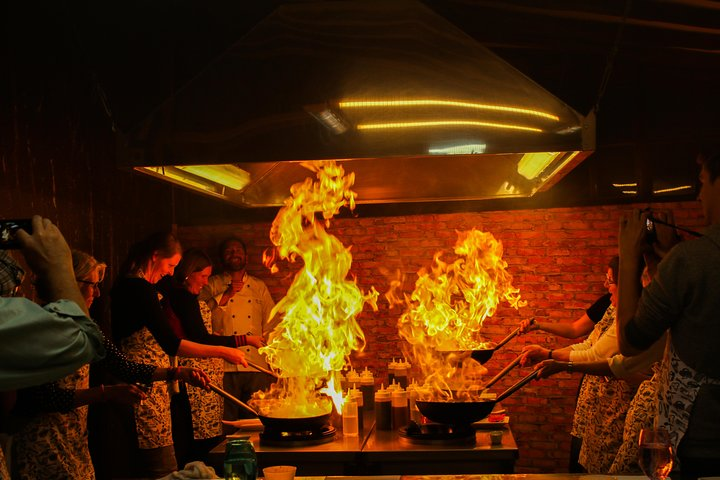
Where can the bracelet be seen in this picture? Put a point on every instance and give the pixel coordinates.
(172, 373)
(550, 354)
(240, 340)
(569, 367)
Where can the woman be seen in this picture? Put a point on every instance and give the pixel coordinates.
(196, 412)
(141, 329)
(54, 442)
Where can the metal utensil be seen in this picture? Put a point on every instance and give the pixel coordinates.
(261, 369)
(232, 398)
(482, 355)
(503, 372)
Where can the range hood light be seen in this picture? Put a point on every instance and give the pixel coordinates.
(328, 118)
(624, 185)
(629, 192)
(467, 149)
(444, 103)
(444, 123)
(531, 165)
(227, 175)
(673, 189)
(182, 178)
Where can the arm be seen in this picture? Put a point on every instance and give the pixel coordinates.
(198, 350)
(187, 309)
(551, 367)
(580, 327)
(632, 244)
(605, 347)
(69, 340)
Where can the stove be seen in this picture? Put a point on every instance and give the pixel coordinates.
(297, 438)
(437, 434)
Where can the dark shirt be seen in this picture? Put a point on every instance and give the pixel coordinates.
(135, 304)
(185, 307)
(596, 311)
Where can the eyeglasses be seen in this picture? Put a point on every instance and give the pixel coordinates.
(92, 284)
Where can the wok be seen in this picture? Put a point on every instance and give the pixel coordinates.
(461, 413)
(482, 355)
(279, 423)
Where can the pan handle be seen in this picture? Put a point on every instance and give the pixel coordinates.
(261, 369)
(503, 372)
(233, 399)
(517, 386)
(512, 335)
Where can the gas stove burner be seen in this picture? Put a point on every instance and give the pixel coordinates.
(297, 438)
(438, 434)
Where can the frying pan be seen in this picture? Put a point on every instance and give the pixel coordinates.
(278, 423)
(461, 413)
(484, 354)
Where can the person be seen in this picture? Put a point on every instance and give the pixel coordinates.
(197, 414)
(681, 299)
(241, 304)
(575, 329)
(610, 442)
(140, 328)
(53, 442)
(44, 343)
(583, 352)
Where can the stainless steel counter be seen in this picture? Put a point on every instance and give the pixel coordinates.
(385, 453)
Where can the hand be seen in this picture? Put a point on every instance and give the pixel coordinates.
(632, 240)
(195, 377)
(233, 355)
(255, 341)
(667, 237)
(124, 394)
(549, 367)
(528, 326)
(533, 354)
(46, 249)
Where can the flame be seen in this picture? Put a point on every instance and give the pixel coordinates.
(318, 331)
(444, 315)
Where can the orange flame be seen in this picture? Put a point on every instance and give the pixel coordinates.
(445, 312)
(318, 330)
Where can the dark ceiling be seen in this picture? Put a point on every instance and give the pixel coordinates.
(650, 69)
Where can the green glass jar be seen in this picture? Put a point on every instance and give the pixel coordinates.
(240, 460)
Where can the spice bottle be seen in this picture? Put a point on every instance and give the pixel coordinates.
(383, 409)
(240, 460)
(350, 418)
(400, 412)
(357, 396)
(367, 387)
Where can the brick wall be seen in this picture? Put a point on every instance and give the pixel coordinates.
(558, 260)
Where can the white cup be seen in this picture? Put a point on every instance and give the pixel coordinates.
(279, 472)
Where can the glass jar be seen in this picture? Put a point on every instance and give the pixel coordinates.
(240, 460)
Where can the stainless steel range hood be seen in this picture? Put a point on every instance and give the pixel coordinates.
(416, 108)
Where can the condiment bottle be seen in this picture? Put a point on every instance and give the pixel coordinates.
(394, 386)
(350, 418)
(400, 412)
(353, 379)
(240, 460)
(383, 409)
(391, 371)
(367, 387)
(412, 392)
(402, 369)
(357, 396)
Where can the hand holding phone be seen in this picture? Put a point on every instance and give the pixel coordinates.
(8, 232)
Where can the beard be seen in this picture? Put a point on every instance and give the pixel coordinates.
(235, 264)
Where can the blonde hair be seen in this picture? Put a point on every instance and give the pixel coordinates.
(84, 264)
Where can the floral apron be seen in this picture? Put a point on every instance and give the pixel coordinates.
(679, 387)
(152, 415)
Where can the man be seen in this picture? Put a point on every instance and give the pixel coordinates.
(683, 299)
(42, 344)
(241, 305)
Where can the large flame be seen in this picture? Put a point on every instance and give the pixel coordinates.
(318, 330)
(444, 315)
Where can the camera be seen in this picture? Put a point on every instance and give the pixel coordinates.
(8, 229)
(650, 235)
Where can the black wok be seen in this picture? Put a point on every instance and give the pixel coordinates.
(461, 413)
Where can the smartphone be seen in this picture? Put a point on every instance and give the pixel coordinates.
(8, 229)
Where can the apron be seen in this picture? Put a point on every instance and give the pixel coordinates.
(679, 387)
